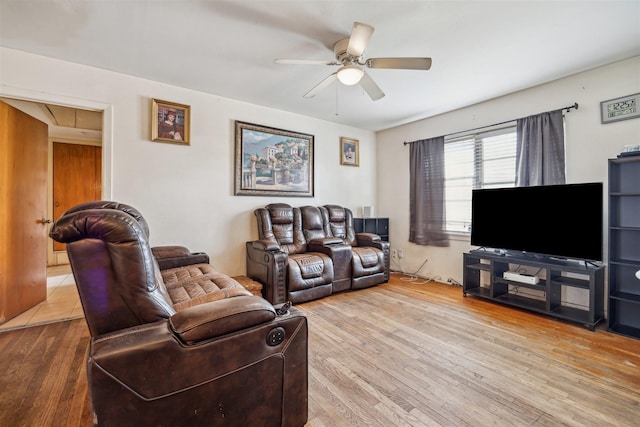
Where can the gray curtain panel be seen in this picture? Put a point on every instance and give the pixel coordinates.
(427, 208)
(540, 150)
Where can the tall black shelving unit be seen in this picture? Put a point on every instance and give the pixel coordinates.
(379, 226)
(624, 246)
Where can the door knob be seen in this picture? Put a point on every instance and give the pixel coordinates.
(45, 221)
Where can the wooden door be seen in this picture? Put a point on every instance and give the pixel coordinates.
(77, 178)
(23, 207)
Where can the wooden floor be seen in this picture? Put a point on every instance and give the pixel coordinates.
(43, 378)
(414, 354)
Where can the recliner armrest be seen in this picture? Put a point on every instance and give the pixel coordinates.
(364, 238)
(145, 372)
(265, 245)
(267, 264)
(374, 240)
(177, 256)
(217, 318)
(326, 241)
(369, 239)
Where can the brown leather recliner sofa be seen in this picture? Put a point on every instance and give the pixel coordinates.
(298, 246)
(183, 345)
(280, 260)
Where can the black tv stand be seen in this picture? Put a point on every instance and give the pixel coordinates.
(483, 278)
(485, 250)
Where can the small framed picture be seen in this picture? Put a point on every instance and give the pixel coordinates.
(627, 107)
(349, 152)
(170, 122)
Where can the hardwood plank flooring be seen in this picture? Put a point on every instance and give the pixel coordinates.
(44, 381)
(399, 354)
(422, 354)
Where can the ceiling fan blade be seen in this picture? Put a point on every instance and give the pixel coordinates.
(304, 62)
(324, 83)
(400, 63)
(360, 35)
(371, 87)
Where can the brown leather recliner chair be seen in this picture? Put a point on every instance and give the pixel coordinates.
(281, 261)
(183, 346)
(371, 261)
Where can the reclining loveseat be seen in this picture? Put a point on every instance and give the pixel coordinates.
(311, 252)
(184, 345)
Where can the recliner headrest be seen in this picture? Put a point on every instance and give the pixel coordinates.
(280, 213)
(336, 213)
(109, 225)
(107, 204)
(312, 218)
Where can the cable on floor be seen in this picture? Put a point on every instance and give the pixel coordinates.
(413, 277)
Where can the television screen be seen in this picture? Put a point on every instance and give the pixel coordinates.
(562, 221)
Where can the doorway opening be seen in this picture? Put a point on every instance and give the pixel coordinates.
(75, 159)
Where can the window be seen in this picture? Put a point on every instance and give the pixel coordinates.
(480, 160)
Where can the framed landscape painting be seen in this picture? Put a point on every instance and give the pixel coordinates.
(272, 162)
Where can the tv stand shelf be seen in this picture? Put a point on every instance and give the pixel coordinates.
(483, 278)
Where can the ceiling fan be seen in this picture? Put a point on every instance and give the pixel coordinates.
(349, 55)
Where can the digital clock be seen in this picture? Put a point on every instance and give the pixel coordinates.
(620, 108)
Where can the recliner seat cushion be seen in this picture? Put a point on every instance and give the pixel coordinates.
(367, 261)
(310, 265)
(199, 283)
(317, 270)
(368, 256)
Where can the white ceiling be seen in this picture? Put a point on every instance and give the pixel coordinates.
(480, 49)
(63, 123)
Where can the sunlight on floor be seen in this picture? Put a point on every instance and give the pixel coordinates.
(62, 303)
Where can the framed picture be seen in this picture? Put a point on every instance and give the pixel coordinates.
(349, 152)
(618, 109)
(273, 162)
(170, 122)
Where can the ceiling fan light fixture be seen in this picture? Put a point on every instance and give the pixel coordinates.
(350, 74)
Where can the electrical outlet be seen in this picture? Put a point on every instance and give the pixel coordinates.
(400, 253)
(453, 281)
(394, 253)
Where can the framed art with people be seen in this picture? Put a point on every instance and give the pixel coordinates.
(349, 152)
(170, 122)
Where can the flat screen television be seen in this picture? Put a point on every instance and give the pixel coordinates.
(562, 221)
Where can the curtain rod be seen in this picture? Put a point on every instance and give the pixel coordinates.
(569, 108)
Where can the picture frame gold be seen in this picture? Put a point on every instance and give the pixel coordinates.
(272, 162)
(166, 129)
(349, 151)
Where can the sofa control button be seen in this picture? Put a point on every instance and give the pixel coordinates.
(276, 336)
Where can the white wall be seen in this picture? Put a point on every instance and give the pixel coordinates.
(588, 146)
(186, 192)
